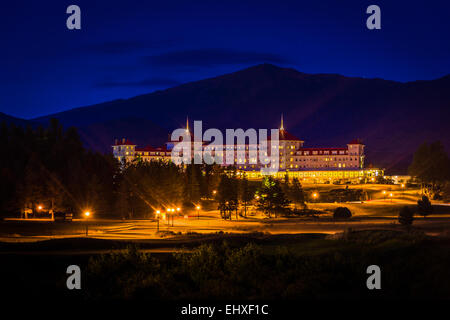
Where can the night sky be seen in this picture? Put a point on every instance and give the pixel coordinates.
(126, 48)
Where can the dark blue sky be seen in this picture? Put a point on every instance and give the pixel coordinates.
(126, 48)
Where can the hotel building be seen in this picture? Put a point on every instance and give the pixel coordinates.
(307, 164)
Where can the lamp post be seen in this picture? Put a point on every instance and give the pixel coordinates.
(390, 195)
(198, 212)
(157, 220)
(384, 193)
(87, 214)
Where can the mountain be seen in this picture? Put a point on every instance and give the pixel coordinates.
(391, 118)
(10, 119)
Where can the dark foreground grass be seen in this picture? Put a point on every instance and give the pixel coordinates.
(413, 267)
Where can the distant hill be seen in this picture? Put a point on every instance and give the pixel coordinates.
(9, 119)
(391, 118)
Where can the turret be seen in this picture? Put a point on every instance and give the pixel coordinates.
(356, 151)
(124, 149)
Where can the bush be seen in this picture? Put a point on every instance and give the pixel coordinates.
(424, 206)
(342, 213)
(406, 216)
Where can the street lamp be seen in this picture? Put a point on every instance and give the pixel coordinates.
(87, 214)
(198, 212)
(390, 195)
(384, 193)
(39, 207)
(173, 210)
(158, 212)
(315, 195)
(168, 215)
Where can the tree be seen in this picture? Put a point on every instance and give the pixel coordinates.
(33, 191)
(424, 207)
(406, 216)
(191, 186)
(271, 198)
(227, 195)
(51, 167)
(431, 165)
(296, 193)
(246, 194)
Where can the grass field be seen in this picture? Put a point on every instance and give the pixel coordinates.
(244, 267)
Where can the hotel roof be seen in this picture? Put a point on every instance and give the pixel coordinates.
(152, 149)
(123, 142)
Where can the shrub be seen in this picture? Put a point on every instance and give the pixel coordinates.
(342, 213)
(424, 206)
(406, 216)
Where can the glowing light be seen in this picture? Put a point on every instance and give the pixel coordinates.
(390, 194)
(384, 191)
(214, 191)
(315, 195)
(198, 208)
(403, 185)
(87, 214)
(158, 212)
(39, 207)
(178, 209)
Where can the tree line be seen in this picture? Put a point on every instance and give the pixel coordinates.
(431, 167)
(48, 169)
(45, 169)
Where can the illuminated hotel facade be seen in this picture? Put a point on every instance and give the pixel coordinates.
(308, 164)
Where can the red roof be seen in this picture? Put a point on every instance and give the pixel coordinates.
(123, 142)
(322, 149)
(149, 148)
(356, 141)
(283, 135)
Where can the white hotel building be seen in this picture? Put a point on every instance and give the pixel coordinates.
(308, 164)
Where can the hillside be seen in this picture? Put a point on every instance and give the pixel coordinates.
(392, 118)
(9, 119)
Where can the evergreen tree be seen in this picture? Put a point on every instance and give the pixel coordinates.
(246, 193)
(424, 206)
(296, 194)
(431, 165)
(227, 195)
(271, 197)
(50, 166)
(406, 216)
